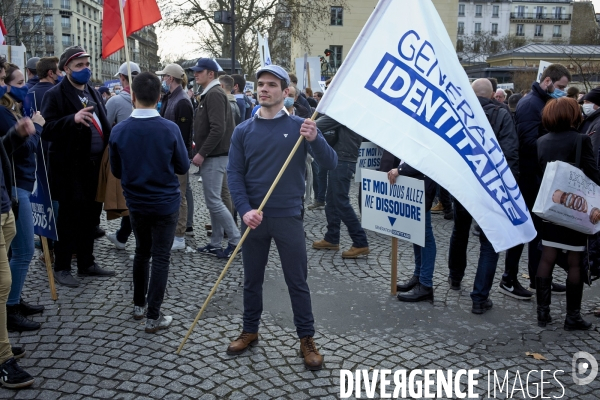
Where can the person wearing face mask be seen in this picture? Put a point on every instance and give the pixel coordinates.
(177, 107)
(78, 132)
(22, 151)
(528, 121)
(591, 123)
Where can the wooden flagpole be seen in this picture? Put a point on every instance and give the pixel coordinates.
(48, 263)
(239, 245)
(121, 5)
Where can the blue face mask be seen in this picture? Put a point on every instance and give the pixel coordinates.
(3, 90)
(59, 78)
(165, 86)
(81, 77)
(288, 102)
(557, 93)
(19, 93)
(117, 91)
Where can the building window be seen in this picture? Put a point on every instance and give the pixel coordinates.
(48, 20)
(495, 11)
(65, 4)
(520, 11)
(558, 13)
(494, 29)
(557, 31)
(48, 3)
(478, 10)
(494, 46)
(538, 31)
(37, 20)
(459, 45)
(337, 16)
(78, 9)
(477, 28)
(539, 12)
(65, 21)
(26, 22)
(477, 47)
(66, 40)
(461, 28)
(335, 58)
(50, 39)
(461, 10)
(520, 30)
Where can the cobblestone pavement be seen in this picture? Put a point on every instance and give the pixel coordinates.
(90, 346)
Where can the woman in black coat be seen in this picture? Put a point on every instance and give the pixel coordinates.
(559, 117)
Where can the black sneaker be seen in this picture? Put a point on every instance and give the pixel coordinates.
(454, 285)
(514, 289)
(227, 252)
(209, 250)
(557, 288)
(98, 232)
(189, 231)
(482, 307)
(13, 376)
(18, 352)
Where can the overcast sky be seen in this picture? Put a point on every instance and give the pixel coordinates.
(170, 42)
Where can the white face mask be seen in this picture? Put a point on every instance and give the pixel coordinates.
(588, 108)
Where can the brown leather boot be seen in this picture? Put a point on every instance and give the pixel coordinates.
(325, 245)
(355, 252)
(241, 344)
(313, 360)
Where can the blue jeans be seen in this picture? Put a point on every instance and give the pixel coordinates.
(22, 247)
(288, 233)
(338, 208)
(457, 257)
(154, 236)
(425, 256)
(321, 180)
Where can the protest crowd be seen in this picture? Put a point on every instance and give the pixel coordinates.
(128, 152)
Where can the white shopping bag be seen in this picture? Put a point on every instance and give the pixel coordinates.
(569, 198)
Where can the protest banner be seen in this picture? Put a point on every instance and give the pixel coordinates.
(263, 50)
(369, 157)
(44, 218)
(393, 210)
(303, 70)
(322, 86)
(402, 87)
(542, 67)
(249, 86)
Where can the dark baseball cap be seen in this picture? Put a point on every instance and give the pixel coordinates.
(275, 70)
(69, 54)
(205, 63)
(103, 89)
(32, 62)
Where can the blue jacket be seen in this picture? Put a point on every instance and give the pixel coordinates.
(259, 148)
(528, 121)
(146, 153)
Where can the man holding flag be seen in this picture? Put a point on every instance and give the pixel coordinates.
(259, 148)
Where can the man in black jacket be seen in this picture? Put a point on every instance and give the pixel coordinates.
(78, 130)
(338, 208)
(528, 120)
(504, 129)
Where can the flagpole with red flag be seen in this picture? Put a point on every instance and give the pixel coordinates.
(133, 16)
(3, 32)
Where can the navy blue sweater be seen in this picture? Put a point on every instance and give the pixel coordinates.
(146, 153)
(21, 151)
(259, 148)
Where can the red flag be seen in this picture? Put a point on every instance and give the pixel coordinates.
(3, 32)
(138, 14)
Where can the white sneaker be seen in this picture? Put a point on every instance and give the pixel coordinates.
(178, 244)
(200, 179)
(113, 238)
(153, 325)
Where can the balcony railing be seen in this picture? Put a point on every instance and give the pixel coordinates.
(538, 34)
(67, 43)
(557, 35)
(542, 16)
(461, 31)
(520, 34)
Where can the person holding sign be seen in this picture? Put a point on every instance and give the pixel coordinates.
(259, 148)
(11, 374)
(560, 117)
(22, 151)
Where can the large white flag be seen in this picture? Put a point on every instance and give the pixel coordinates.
(402, 87)
(263, 49)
